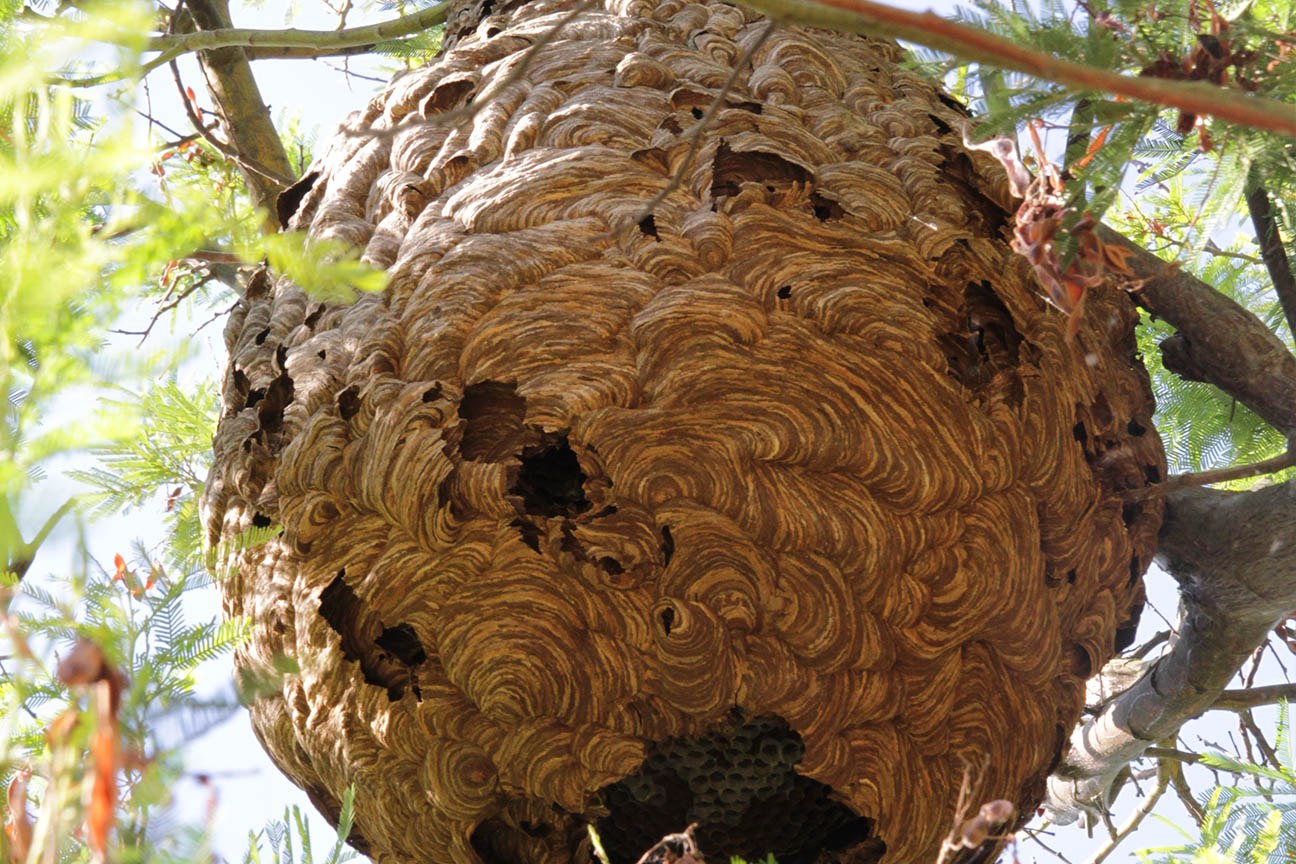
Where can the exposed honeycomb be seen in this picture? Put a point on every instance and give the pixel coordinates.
(739, 785)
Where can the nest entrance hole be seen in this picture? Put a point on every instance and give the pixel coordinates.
(739, 784)
(550, 481)
(389, 658)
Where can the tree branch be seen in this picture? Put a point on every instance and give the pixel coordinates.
(1254, 697)
(1272, 251)
(245, 118)
(263, 44)
(1218, 341)
(1221, 475)
(970, 43)
(1234, 556)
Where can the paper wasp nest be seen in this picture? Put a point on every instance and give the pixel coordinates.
(772, 510)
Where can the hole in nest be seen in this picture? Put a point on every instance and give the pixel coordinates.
(254, 396)
(529, 533)
(277, 397)
(388, 659)
(784, 292)
(550, 481)
(261, 337)
(611, 566)
(260, 520)
(824, 209)
(1152, 473)
(739, 783)
(289, 200)
(1079, 662)
(348, 402)
(1135, 428)
(1078, 431)
(667, 545)
(433, 393)
(313, 318)
(322, 354)
(1071, 577)
(941, 126)
(1130, 513)
(492, 414)
(648, 225)
(667, 618)
(402, 643)
(697, 113)
(729, 170)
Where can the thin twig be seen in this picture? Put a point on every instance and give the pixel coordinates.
(1172, 754)
(1266, 749)
(223, 148)
(1273, 251)
(1179, 783)
(694, 134)
(1034, 834)
(1136, 818)
(971, 43)
(1219, 475)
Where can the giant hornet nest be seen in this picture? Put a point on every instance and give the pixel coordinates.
(773, 510)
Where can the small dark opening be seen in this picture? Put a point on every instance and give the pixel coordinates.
(261, 337)
(1130, 513)
(260, 520)
(825, 209)
(277, 397)
(1135, 570)
(941, 126)
(785, 292)
(697, 113)
(348, 402)
(667, 545)
(290, 199)
(254, 396)
(648, 225)
(432, 394)
(1152, 473)
(550, 481)
(322, 354)
(529, 533)
(1080, 663)
(667, 618)
(611, 566)
(1135, 428)
(1071, 577)
(402, 643)
(313, 318)
(1078, 430)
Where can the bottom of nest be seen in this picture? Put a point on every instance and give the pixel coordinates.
(739, 785)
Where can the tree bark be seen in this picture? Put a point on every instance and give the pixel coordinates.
(244, 115)
(1234, 556)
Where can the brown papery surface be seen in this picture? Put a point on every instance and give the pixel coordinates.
(805, 445)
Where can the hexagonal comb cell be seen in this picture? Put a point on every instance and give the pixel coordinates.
(739, 784)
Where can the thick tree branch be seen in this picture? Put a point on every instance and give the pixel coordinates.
(1272, 251)
(262, 44)
(244, 116)
(1234, 555)
(970, 43)
(1218, 341)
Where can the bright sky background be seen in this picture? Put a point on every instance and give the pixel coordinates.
(249, 789)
